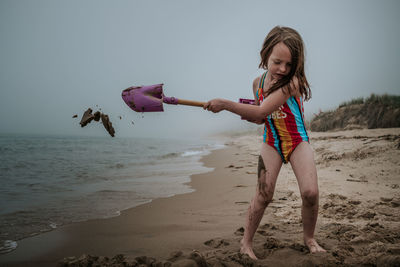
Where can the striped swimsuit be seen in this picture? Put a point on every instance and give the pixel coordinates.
(284, 129)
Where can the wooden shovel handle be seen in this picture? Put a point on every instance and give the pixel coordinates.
(190, 103)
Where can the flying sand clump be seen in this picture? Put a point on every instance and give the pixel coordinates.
(87, 117)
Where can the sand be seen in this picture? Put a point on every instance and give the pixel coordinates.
(87, 117)
(358, 224)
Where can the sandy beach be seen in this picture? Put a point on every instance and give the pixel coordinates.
(358, 224)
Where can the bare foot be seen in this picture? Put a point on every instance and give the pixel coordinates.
(313, 246)
(248, 250)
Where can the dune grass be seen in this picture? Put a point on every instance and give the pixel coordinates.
(375, 111)
(387, 100)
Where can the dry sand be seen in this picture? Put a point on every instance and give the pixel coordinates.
(358, 224)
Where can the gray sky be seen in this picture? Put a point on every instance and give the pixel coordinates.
(59, 57)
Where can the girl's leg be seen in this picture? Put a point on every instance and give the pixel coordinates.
(264, 193)
(303, 165)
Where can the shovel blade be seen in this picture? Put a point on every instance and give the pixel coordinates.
(144, 98)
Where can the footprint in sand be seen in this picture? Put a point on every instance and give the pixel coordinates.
(299, 247)
(239, 231)
(264, 233)
(368, 215)
(354, 202)
(216, 243)
(395, 203)
(338, 207)
(272, 243)
(242, 259)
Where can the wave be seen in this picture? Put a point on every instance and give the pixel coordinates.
(8, 246)
(169, 155)
(53, 225)
(192, 153)
(182, 154)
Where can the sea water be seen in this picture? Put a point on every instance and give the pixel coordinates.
(49, 181)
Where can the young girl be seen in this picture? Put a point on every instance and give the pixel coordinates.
(279, 95)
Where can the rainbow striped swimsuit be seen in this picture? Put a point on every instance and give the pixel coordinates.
(284, 129)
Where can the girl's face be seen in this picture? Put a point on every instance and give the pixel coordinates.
(280, 61)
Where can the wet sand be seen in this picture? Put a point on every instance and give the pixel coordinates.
(87, 117)
(358, 224)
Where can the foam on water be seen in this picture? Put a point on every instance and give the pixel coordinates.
(8, 246)
(192, 153)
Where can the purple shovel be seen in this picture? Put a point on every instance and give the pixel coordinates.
(150, 98)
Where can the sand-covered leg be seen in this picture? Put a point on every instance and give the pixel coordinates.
(269, 166)
(254, 216)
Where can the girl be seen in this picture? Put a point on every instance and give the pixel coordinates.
(279, 95)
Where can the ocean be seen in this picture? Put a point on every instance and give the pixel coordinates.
(49, 181)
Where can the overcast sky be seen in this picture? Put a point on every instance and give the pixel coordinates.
(57, 58)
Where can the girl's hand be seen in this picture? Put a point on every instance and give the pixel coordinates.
(215, 105)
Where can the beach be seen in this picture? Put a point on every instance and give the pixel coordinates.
(358, 223)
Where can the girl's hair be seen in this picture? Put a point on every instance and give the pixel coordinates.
(292, 39)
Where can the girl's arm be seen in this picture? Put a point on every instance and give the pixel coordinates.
(256, 82)
(255, 89)
(251, 112)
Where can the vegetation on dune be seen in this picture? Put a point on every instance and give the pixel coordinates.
(387, 100)
(375, 111)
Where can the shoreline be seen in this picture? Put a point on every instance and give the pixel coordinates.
(358, 223)
(51, 192)
(50, 247)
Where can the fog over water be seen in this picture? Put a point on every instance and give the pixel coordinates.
(60, 57)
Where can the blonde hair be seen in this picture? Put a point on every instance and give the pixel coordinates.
(292, 39)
